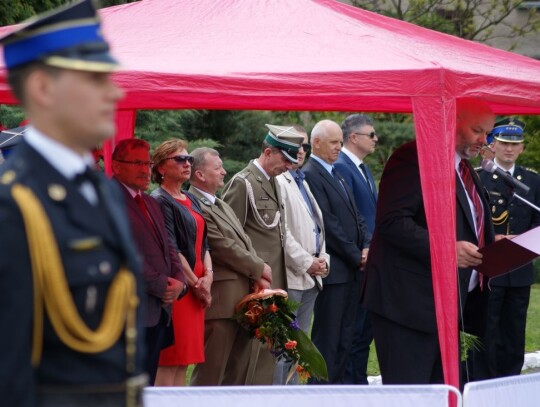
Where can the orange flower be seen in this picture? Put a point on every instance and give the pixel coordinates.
(303, 374)
(258, 333)
(290, 344)
(254, 311)
(272, 308)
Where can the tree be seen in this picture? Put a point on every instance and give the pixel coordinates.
(15, 11)
(478, 20)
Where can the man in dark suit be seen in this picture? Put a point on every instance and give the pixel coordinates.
(398, 285)
(162, 272)
(347, 241)
(227, 346)
(504, 341)
(359, 140)
(69, 272)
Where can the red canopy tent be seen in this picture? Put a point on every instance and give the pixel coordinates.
(320, 55)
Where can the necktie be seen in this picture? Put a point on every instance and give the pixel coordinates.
(142, 206)
(364, 171)
(468, 182)
(338, 180)
(466, 176)
(298, 177)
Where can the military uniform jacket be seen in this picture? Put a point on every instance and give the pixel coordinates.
(268, 242)
(513, 217)
(234, 259)
(93, 241)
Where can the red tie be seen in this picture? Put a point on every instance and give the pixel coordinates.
(142, 206)
(467, 179)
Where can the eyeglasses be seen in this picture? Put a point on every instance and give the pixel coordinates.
(370, 135)
(182, 159)
(306, 146)
(137, 163)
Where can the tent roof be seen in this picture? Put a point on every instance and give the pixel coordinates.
(302, 54)
(320, 55)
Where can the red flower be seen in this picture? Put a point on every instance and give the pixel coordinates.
(258, 333)
(272, 308)
(290, 344)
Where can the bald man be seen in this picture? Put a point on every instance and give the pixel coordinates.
(398, 288)
(347, 241)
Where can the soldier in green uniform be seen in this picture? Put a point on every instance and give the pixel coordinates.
(504, 342)
(69, 271)
(255, 199)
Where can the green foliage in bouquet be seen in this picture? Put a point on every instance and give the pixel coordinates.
(268, 316)
(469, 343)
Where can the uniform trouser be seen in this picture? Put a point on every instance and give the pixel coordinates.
(504, 342)
(82, 400)
(227, 352)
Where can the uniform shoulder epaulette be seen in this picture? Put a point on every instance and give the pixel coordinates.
(531, 170)
(478, 169)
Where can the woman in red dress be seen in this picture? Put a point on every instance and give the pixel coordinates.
(187, 229)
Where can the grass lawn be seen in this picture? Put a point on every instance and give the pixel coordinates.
(532, 340)
(532, 343)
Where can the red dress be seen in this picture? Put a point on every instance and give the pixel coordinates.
(188, 313)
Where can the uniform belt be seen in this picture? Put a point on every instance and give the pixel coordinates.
(132, 388)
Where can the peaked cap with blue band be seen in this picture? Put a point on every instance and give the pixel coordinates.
(67, 37)
(287, 139)
(508, 130)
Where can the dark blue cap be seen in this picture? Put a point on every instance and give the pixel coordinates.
(508, 130)
(67, 37)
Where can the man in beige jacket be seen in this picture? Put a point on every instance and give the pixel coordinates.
(306, 260)
(227, 346)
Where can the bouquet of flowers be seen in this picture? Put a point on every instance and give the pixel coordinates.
(267, 315)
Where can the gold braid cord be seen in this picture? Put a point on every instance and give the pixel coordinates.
(52, 290)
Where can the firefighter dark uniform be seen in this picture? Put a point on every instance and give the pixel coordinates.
(509, 294)
(70, 278)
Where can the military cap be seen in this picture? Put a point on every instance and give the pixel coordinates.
(287, 139)
(509, 130)
(67, 37)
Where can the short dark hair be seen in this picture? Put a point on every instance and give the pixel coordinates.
(16, 77)
(352, 124)
(123, 146)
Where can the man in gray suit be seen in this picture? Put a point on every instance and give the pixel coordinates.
(236, 267)
(256, 201)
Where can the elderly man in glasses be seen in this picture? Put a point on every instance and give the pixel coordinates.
(257, 202)
(359, 140)
(162, 272)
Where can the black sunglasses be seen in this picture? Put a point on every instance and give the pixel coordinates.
(370, 135)
(182, 159)
(306, 146)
